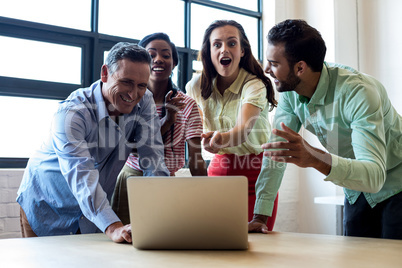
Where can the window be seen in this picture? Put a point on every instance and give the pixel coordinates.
(74, 14)
(40, 60)
(139, 18)
(199, 23)
(51, 48)
(25, 122)
(249, 4)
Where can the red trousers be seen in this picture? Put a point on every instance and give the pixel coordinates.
(246, 165)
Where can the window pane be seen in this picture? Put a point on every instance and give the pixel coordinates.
(40, 60)
(199, 24)
(72, 13)
(23, 132)
(138, 18)
(249, 4)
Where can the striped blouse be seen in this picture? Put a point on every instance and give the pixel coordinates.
(188, 125)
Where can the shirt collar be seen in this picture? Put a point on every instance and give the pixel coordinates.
(99, 101)
(322, 87)
(235, 86)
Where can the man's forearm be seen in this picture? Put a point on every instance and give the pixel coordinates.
(323, 162)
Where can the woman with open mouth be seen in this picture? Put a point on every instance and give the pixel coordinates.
(234, 97)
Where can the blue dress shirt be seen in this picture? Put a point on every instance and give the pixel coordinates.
(69, 182)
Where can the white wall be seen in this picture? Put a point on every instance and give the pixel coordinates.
(368, 38)
(380, 44)
(9, 209)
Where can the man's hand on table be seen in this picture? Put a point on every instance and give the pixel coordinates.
(119, 232)
(258, 224)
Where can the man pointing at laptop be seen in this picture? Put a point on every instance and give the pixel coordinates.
(68, 183)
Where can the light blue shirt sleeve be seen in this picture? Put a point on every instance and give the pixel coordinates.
(77, 165)
(272, 172)
(366, 172)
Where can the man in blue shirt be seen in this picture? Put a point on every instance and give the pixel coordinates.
(353, 118)
(68, 183)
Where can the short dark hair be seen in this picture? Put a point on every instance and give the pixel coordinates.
(302, 43)
(126, 50)
(161, 36)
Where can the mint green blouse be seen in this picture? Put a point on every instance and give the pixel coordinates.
(354, 120)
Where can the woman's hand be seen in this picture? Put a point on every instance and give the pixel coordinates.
(173, 106)
(213, 141)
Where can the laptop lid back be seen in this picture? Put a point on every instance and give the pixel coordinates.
(188, 212)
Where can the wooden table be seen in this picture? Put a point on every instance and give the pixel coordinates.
(272, 250)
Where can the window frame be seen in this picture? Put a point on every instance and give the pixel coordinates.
(93, 45)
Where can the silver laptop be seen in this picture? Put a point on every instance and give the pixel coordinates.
(188, 212)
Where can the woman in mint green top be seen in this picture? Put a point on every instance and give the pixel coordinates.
(353, 118)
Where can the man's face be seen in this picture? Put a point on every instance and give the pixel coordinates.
(279, 69)
(123, 89)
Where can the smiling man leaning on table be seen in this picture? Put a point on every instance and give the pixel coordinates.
(68, 183)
